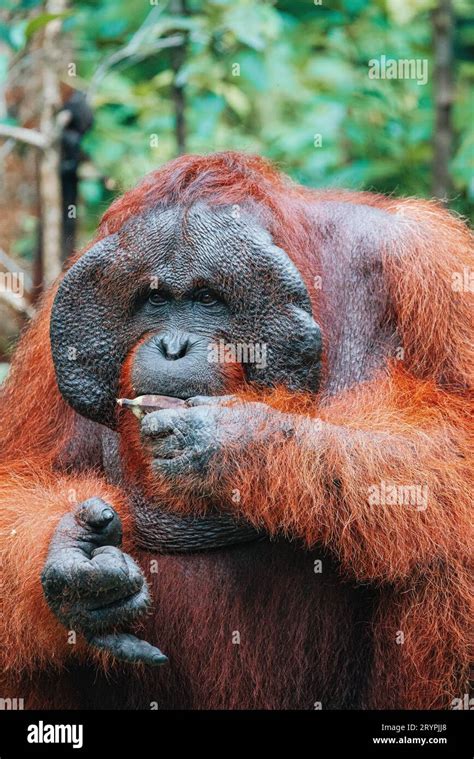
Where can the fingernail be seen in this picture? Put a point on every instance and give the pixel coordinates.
(107, 515)
(159, 659)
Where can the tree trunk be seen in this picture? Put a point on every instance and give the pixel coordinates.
(49, 166)
(178, 56)
(443, 26)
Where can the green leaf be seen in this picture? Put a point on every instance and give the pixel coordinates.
(252, 24)
(39, 22)
(237, 100)
(91, 191)
(17, 35)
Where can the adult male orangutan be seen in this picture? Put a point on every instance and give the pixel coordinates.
(299, 527)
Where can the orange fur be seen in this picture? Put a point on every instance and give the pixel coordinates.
(37, 425)
(410, 426)
(398, 430)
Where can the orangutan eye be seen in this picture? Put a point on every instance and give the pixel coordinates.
(157, 298)
(206, 297)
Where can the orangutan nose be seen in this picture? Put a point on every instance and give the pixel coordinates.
(174, 346)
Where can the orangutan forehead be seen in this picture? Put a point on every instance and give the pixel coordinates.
(226, 248)
(184, 244)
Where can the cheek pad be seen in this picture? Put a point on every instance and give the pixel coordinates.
(88, 332)
(292, 342)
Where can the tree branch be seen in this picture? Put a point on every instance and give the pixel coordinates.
(443, 27)
(137, 48)
(28, 136)
(17, 303)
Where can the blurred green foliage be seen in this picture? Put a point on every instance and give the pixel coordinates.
(268, 77)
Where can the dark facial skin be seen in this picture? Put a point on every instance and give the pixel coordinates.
(175, 358)
(184, 280)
